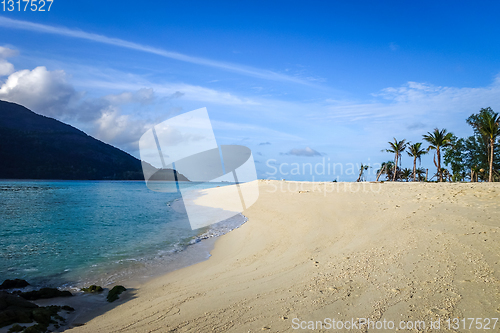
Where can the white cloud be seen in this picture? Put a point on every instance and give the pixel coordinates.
(117, 118)
(49, 93)
(254, 130)
(6, 67)
(176, 90)
(143, 96)
(43, 91)
(129, 103)
(307, 152)
(6, 52)
(119, 129)
(413, 102)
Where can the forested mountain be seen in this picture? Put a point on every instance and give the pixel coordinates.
(33, 146)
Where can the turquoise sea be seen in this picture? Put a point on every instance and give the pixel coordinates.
(75, 233)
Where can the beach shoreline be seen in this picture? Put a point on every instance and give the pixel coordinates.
(89, 305)
(401, 252)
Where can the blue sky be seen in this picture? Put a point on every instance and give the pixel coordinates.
(296, 82)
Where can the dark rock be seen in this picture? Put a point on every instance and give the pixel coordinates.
(16, 328)
(16, 283)
(14, 309)
(45, 293)
(38, 328)
(67, 308)
(93, 289)
(113, 293)
(7, 300)
(15, 315)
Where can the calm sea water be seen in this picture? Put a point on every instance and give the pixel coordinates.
(72, 233)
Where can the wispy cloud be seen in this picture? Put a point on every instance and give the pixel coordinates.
(63, 31)
(393, 46)
(307, 152)
(6, 67)
(416, 126)
(255, 130)
(415, 102)
(186, 91)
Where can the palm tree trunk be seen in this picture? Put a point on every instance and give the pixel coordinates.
(414, 168)
(492, 146)
(381, 172)
(439, 165)
(395, 168)
(360, 173)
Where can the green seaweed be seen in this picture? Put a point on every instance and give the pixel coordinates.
(38, 328)
(16, 328)
(14, 309)
(113, 293)
(93, 289)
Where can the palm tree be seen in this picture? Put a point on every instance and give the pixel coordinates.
(362, 169)
(416, 151)
(446, 174)
(437, 140)
(387, 169)
(421, 174)
(488, 126)
(405, 174)
(397, 147)
(474, 170)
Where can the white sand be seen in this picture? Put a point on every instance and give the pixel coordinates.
(393, 251)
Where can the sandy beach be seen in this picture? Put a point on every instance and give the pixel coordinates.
(397, 252)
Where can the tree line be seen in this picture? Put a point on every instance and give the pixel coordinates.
(474, 158)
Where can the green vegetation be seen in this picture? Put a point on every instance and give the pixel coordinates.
(14, 309)
(362, 169)
(39, 147)
(416, 151)
(16, 328)
(93, 289)
(386, 168)
(437, 140)
(474, 158)
(397, 147)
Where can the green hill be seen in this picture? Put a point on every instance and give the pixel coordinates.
(33, 146)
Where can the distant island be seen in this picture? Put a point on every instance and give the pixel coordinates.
(33, 146)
